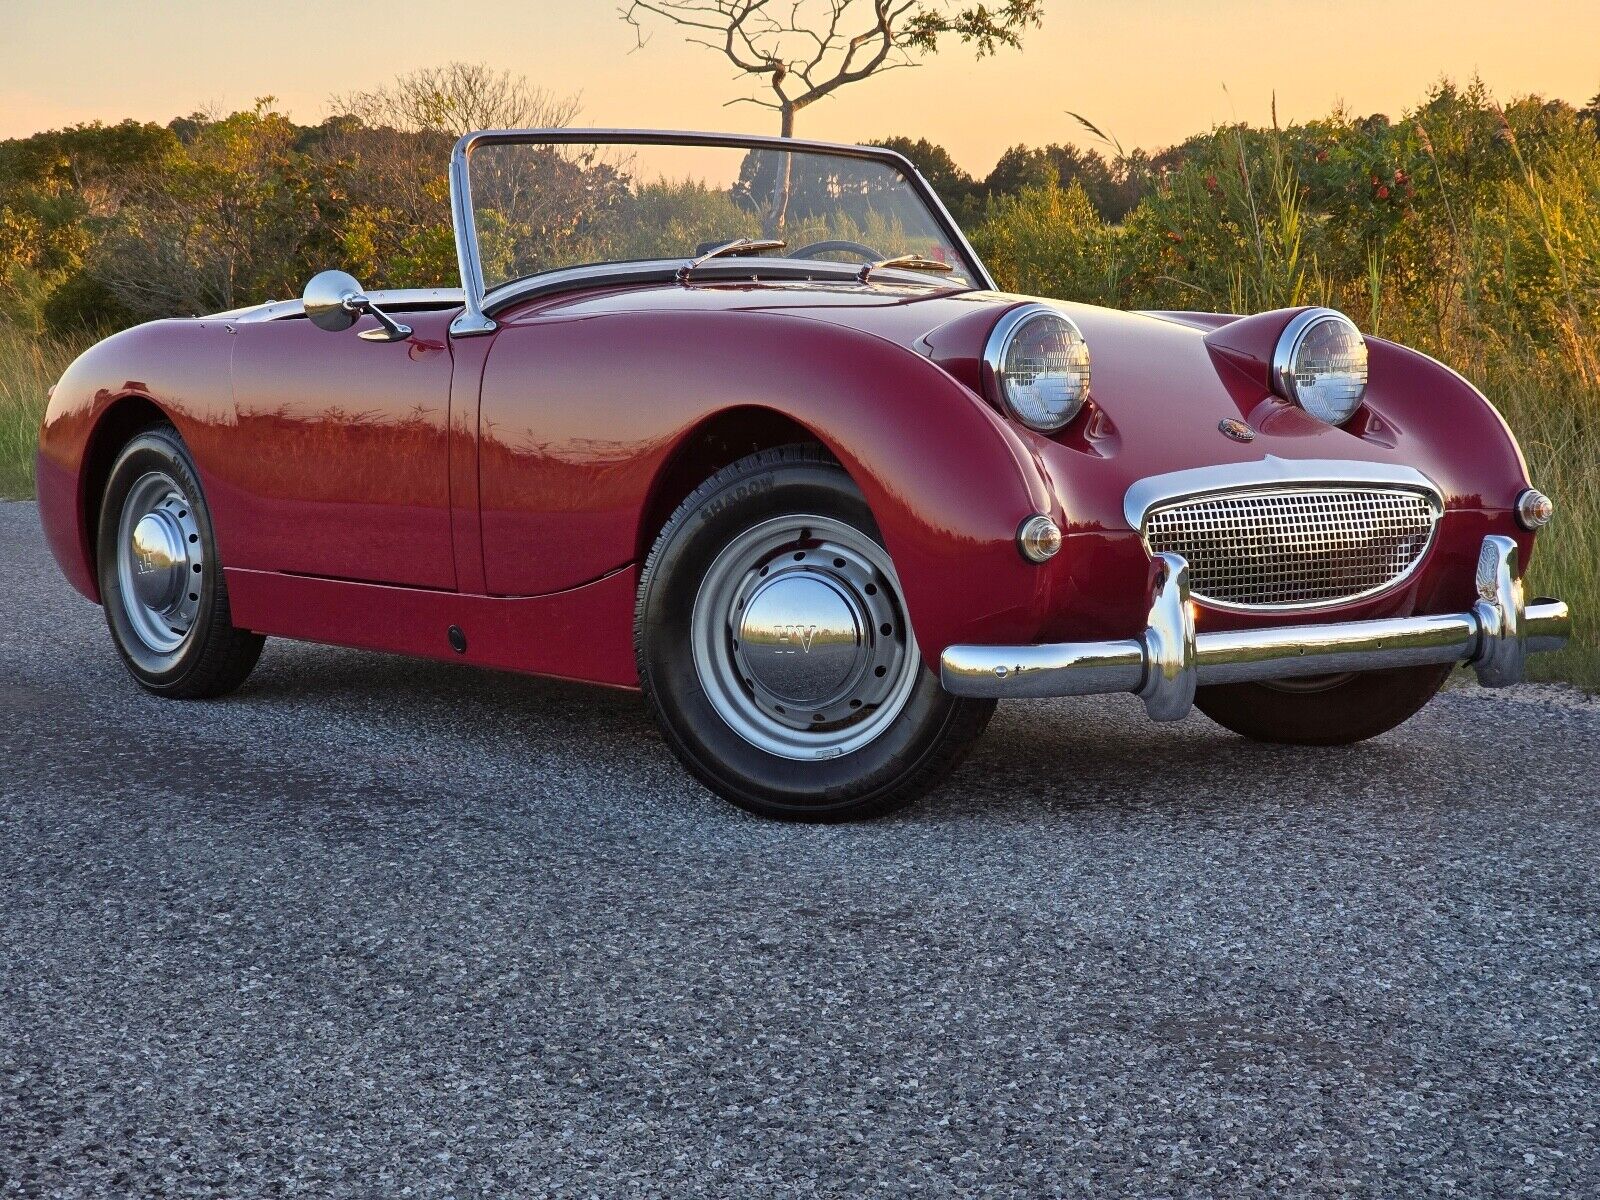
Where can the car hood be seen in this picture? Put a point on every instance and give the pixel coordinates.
(1168, 387)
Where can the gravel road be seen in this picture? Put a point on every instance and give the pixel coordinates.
(382, 928)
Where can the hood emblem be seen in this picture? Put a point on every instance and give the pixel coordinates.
(1236, 429)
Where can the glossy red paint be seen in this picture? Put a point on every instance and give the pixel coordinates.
(568, 635)
(338, 459)
(374, 494)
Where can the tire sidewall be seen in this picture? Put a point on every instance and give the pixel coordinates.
(154, 450)
(746, 774)
(1362, 707)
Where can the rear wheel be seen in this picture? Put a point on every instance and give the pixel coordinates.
(776, 654)
(160, 580)
(1328, 710)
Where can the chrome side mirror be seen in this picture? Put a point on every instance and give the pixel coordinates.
(333, 300)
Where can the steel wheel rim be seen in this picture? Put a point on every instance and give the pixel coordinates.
(160, 562)
(800, 638)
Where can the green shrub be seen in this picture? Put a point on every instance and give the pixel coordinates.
(1049, 241)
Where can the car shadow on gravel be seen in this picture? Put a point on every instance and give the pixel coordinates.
(478, 695)
(1070, 757)
(1104, 755)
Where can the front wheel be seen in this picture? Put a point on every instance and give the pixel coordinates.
(160, 580)
(1328, 710)
(776, 654)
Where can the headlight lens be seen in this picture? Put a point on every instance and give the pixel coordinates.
(1321, 364)
(1038, 364)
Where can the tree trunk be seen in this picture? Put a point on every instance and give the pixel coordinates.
(780, 189)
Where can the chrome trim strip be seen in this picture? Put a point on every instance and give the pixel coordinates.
(401, 298)
(993, 369)
(668, 270)
(475, 320)
(1269, 472)
(1170, 659)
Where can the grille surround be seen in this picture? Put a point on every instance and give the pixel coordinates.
(1290, 547)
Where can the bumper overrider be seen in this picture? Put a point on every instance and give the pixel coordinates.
(1166, 664)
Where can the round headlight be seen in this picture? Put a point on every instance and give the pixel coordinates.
(1037, 364)
(1321, 364)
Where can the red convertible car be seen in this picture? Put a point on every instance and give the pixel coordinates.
(744, 423)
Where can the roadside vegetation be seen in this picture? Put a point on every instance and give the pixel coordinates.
(1465, 228)
(28, 366)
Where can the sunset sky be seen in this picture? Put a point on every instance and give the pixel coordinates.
(1150, 71)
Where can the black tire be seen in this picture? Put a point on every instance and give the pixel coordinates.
(917, 747)
(1332, 712)
(210, 658)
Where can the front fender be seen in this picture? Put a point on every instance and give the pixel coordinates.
(947, 480)
(174, 370)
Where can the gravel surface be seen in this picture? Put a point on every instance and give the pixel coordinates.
(381, 928)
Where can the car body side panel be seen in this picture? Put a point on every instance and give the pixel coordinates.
(580, 412)
(339, 461)
(584, 633)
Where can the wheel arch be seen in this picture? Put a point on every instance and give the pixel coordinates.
(716, 441)
(121, 421)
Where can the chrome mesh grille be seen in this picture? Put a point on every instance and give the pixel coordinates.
(1287, 547)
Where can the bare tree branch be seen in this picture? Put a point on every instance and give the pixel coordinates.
(805, 50)
(458, 98)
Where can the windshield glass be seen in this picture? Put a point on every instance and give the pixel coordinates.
(541, 207)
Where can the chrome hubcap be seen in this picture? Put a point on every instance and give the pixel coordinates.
(800, 638)
(159, 562)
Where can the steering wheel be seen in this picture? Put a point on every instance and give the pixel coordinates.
(814, 249)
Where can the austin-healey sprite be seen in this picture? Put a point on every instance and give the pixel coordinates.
(745, 424)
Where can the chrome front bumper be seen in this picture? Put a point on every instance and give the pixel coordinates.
(1166, 665)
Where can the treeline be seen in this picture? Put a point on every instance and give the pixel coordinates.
(1460, 225)
(105, 225)
(1458, 220)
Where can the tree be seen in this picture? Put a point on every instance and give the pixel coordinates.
(458, 98)
(238, 217)
(1106, 184)
(805, 50)
(390, 144)
(955, 187)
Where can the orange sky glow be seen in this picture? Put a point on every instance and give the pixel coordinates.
(1148, 71)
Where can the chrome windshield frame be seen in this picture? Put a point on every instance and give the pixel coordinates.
(475, 318)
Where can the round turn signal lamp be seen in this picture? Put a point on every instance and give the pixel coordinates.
(1039, 538)
(1534, 509)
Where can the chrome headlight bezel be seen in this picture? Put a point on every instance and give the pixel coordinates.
(1284, 363)
(995, 374)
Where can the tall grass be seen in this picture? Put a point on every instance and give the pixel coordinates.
(28, 368)
(1556, 417)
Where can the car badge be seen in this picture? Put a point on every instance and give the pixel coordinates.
(1236, 429)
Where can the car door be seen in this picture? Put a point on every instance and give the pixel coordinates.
(341, 452)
